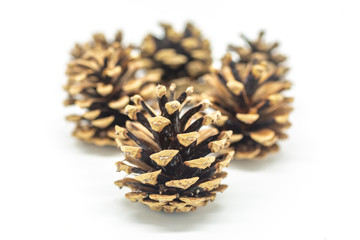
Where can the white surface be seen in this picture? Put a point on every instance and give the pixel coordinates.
(53, 187)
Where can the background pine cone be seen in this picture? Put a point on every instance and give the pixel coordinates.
(101, 76)
(183, 57)
(252, 105)
(99, 43)
(172, 162)
(258, 50)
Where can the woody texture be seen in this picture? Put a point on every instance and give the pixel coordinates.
(174, 164)
(101, 77)
(183, 56)
(249, 94)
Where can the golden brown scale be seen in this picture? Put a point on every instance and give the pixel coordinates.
(101, 77)
(253, 106)
(175, 163)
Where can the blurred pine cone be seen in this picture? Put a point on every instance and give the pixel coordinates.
(258, 50)
(177, 166)
(99, 43)
(183, 57)
(101, 76)
(252, 104)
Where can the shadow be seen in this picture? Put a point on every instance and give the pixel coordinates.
(258, 164)
(63, 137)
(92, 149)
(171, 222)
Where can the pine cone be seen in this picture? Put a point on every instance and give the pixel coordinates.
(99, 43)
(101, 76)
(258, 50)
(252, 105)
(177, 166)
(184, 55)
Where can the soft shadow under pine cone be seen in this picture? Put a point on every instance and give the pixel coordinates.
(257, 164)
(92, 149)
(170, 222)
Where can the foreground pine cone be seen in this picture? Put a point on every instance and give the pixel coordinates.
(177, 166)
(252, 105)
(184, 55)
(258, 50)
(101, 76)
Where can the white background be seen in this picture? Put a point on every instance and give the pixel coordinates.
(54, 187)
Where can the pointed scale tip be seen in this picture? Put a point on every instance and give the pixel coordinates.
(160, 91)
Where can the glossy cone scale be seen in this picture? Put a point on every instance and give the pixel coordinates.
(176, 165)
(101, 77)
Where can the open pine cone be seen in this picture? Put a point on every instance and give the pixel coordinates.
(177, 166)
(101, 76)
(252, 104)
(183, 57)
(258, 50)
